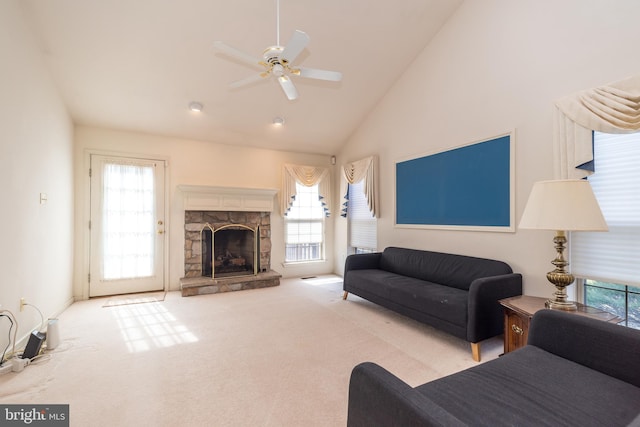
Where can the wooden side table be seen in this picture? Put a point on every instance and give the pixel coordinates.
(519, 310)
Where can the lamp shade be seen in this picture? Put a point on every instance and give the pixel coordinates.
(567, 205)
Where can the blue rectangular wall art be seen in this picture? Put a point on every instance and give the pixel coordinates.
(466, 188)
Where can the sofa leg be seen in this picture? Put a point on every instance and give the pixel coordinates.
(344, 296)
(475, 351)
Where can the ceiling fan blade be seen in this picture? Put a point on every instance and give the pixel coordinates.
(288, 87)
(296, 44)
(313, 73)
(248, 80)
(237, 54)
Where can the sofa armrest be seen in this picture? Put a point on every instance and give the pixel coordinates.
(605, 347)
(362, 262)
(379, 398)
(485, 315)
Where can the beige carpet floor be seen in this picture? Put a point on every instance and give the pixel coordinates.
(277, 356)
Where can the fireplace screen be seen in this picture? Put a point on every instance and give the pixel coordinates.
(230, 250)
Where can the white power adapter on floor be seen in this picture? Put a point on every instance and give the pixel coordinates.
(19, 364)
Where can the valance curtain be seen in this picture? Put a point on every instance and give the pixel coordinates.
(614, 108)
(355, 172)
(307, 176)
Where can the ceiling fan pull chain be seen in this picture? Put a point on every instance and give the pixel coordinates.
(277, 22)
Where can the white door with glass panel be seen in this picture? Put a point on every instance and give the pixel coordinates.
(127, 225)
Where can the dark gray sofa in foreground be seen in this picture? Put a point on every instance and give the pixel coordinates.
(575, 371)
(454, 293)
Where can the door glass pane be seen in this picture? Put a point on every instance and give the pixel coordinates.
(128, 221)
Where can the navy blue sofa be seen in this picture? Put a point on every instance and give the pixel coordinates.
(454, 293)
(574, 371)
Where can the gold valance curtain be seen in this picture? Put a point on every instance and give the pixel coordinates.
(614, 108)
(307, 176)
(355, 172)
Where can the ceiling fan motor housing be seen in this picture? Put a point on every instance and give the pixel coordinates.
(276, 64)
(272, 55)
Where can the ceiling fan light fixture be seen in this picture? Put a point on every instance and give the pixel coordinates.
(278, 70)
(196, 107)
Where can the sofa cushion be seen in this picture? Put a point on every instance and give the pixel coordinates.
(443, 302)
(531, 387)
(446, 269)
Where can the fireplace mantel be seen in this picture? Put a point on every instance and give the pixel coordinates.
(208, 198)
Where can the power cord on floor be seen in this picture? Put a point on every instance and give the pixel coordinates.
(41, 358)
(9, 341)
(14, 323)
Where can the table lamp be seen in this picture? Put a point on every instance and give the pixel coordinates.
(562, 205)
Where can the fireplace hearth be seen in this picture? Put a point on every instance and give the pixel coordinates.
(208, 285)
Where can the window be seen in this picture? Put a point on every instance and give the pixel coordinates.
(621, 300)
(608, 262)
(362, 224)
(304, 226)
(128, 218)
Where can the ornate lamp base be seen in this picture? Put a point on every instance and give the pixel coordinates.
(561, 305)
(559, 277)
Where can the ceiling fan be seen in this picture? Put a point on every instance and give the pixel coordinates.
(277, 61)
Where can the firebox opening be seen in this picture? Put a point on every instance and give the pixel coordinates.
(230, 250)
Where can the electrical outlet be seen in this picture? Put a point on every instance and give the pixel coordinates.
(22, 303)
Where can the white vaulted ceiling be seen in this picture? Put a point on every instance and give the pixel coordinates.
(137, 64)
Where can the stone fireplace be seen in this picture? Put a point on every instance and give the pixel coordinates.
(227, 239)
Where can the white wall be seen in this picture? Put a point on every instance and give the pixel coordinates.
(497, 65)
(36, 143)
(193, 163)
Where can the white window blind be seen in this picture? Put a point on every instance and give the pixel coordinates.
(613, 256)
(362, 224)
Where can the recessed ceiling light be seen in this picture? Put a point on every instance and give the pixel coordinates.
(278, 121)
(196, 106)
